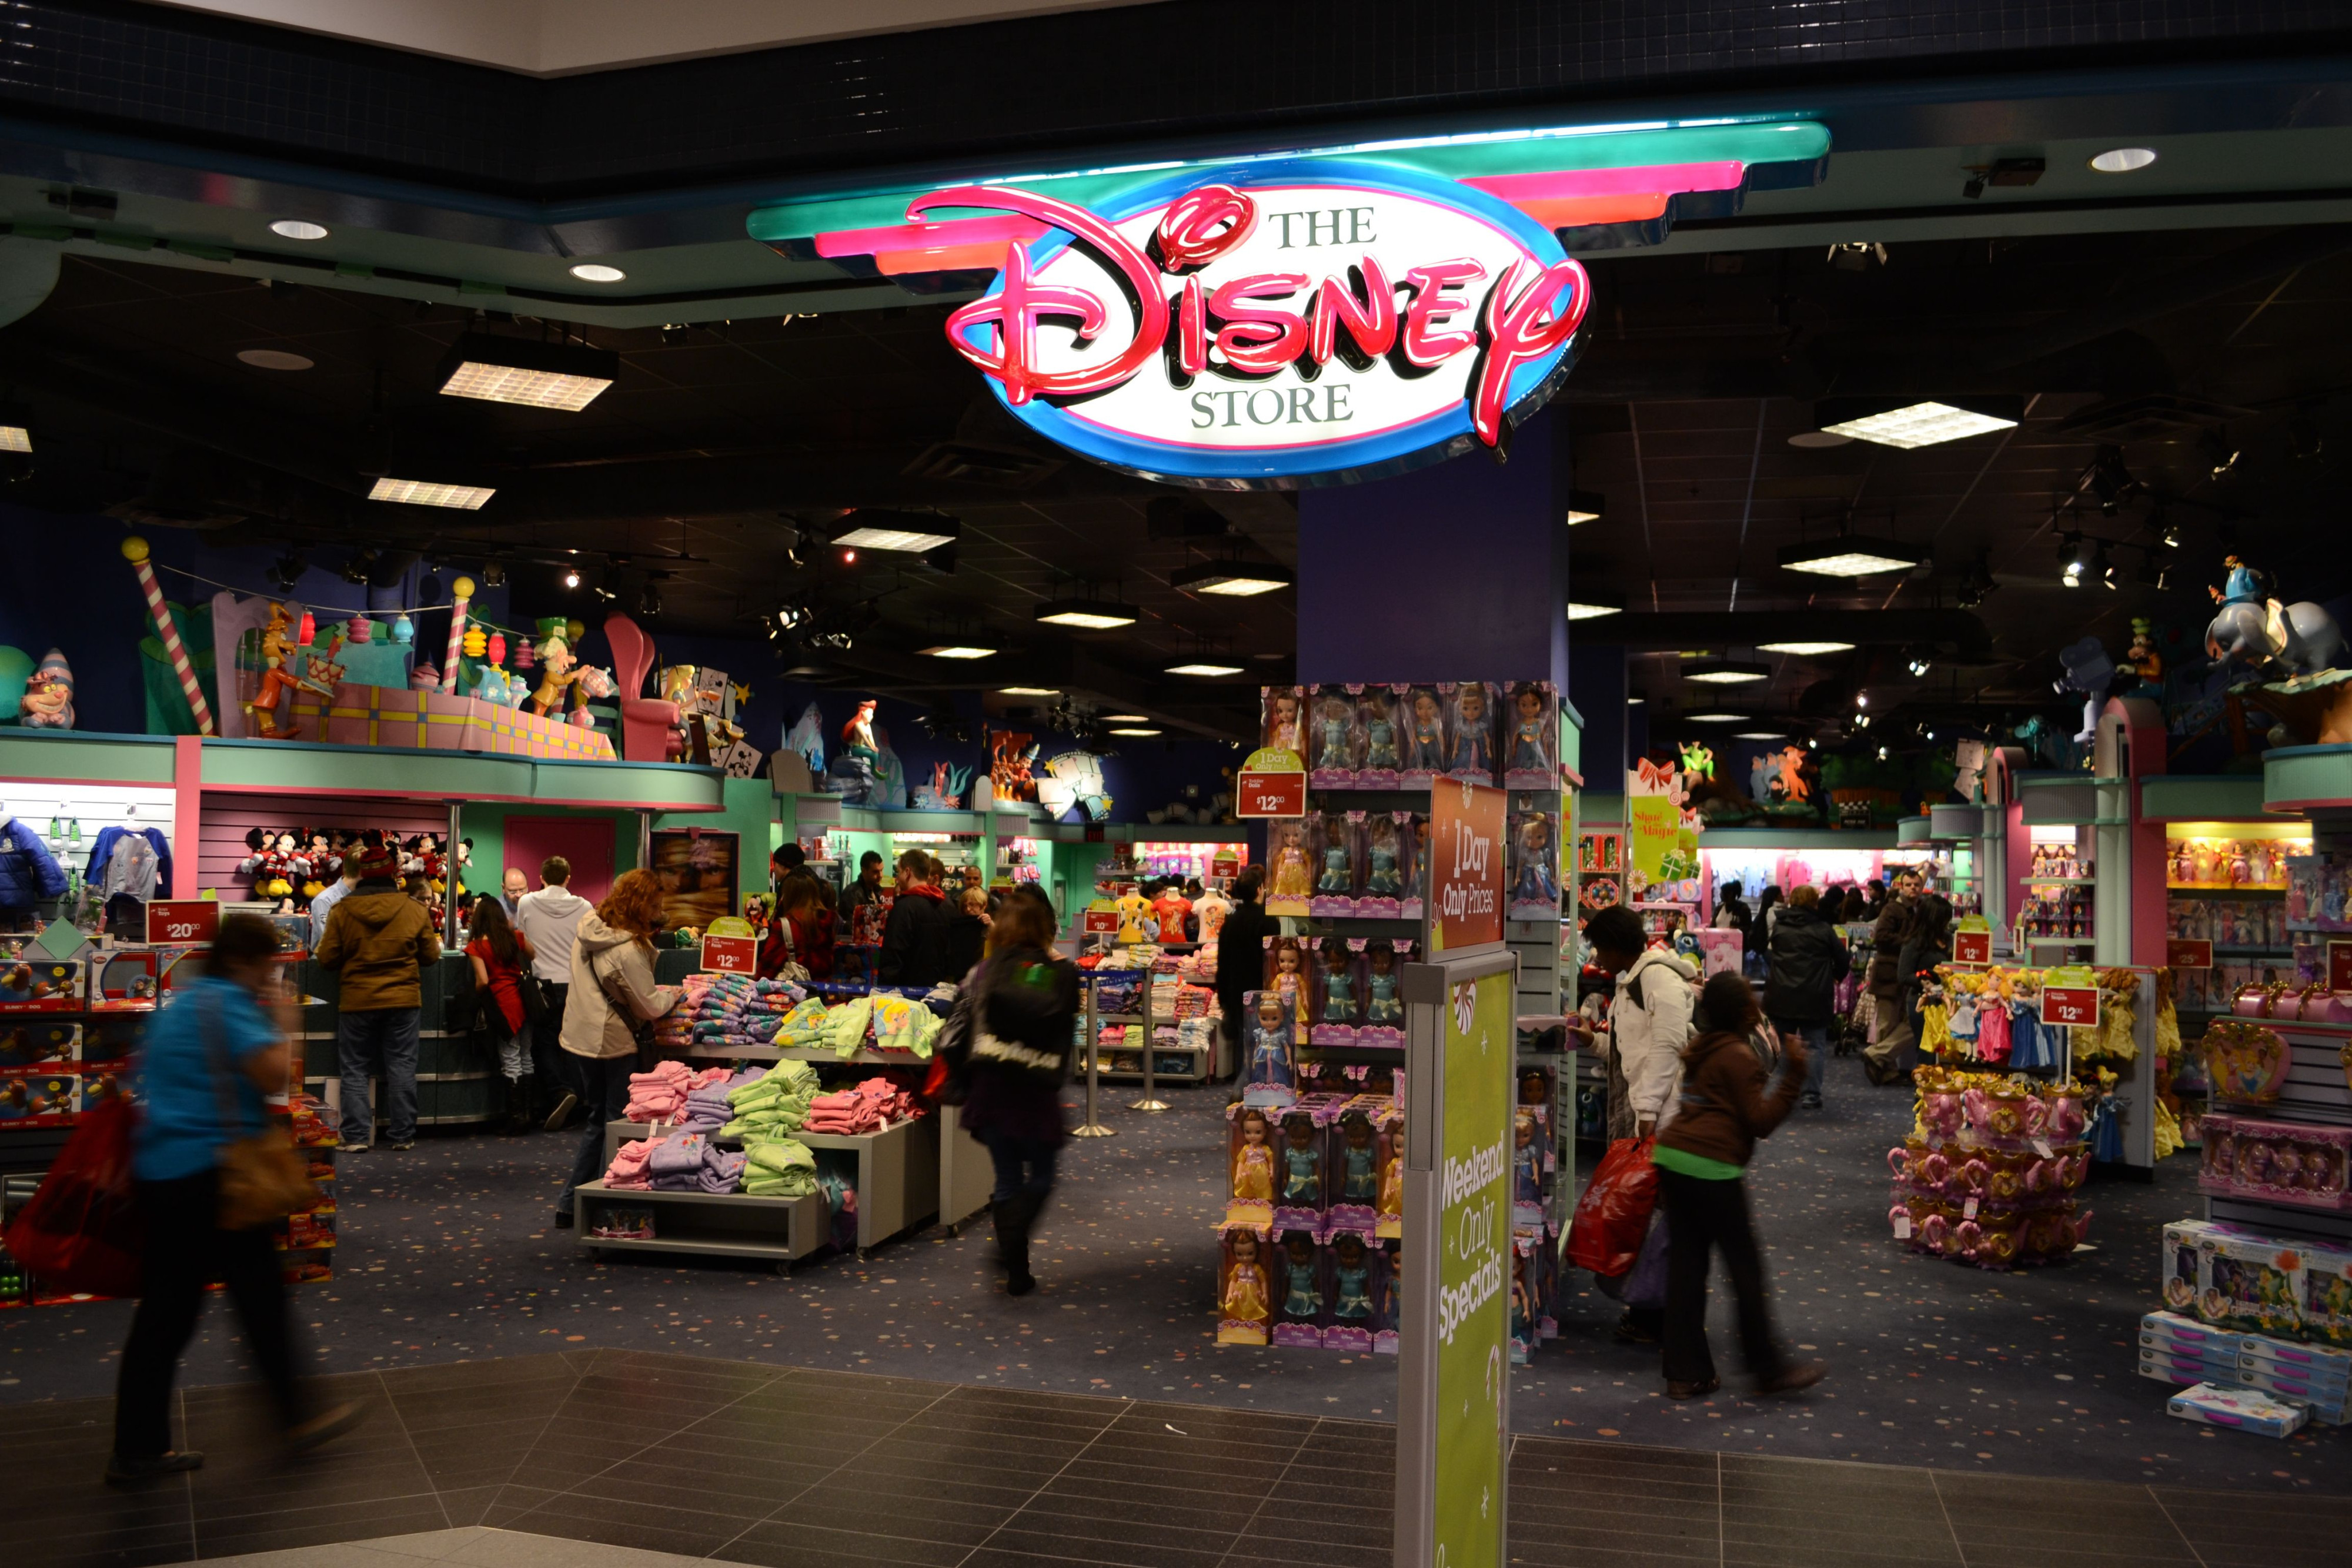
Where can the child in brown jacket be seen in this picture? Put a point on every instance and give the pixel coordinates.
(1702, 1153)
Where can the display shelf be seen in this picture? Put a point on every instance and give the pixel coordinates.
(2224, 890)
(779, 1230)
(822, 1057)
(2060, 881)
(898, 1176)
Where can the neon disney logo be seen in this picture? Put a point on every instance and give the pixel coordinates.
(1278, 326)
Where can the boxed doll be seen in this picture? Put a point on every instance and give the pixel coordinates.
(1335, 745)
(2244, 1409)
(2325, 1306)
(1532, 761)
(1384, 835)
(38, 1047)
(1472, 717)
(1387, 1296)
(1288, 974)
(1384, 962)
(1270, 1069)
(1413, 839)
(1301, 1192)
(2249, 1282)
(1250, 1163)
(1380, 723)
(1338, 990)
(1356, 1265)
(1356, 1166)
(1245, 1308)
(1331, 843)
(125, 982)
(1291, 869)
(1301, 1287)
(1281, 719)
(1535, 863)
(1427, 743)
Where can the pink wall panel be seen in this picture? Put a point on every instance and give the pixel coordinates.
(226, 818)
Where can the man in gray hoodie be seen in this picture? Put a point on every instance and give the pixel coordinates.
(549, 920)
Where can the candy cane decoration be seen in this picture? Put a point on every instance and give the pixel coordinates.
(462, 592)
(134, 550)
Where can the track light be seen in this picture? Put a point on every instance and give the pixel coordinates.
(2303, 438)
(360, 567)
(286, 571)
(571, 577)
(494, 574)
(649, 602)
(1918, 663)
(2221, 453)
(2111, 481)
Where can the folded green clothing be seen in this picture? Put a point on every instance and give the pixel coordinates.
(845, 1025)
(785, 1079)
(797, 1184)
(805, 1025)
(767, 1121)
(778, 1155)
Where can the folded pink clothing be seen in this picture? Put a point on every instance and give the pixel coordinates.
(628, 1167)
(708, 1076)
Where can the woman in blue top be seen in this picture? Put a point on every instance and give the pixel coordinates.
(209, 1059)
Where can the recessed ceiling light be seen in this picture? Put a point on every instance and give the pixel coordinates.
(1848, 555)
(1134, 730)
(958, 651)
(1916, 424)
(2123, 160)
(562, 376)
(274, 359)
(1197, 668)
(870, 527)
(1234, 579)
(298, 228)
(1805, 650)
(1589, 607)
(1811, 438)
(1636, 702)
(1028, 692)
(16, 438)
(424, 493)
(1726, 673)
(1088, 614)
(1126, 718)
(1718, 718)
(597, 272)
(1585, 506)
(1761, 734)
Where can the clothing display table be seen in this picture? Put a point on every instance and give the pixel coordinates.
(780, 1230)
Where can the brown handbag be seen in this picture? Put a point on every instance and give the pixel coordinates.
(262, 1179)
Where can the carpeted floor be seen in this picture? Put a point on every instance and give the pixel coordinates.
(447, 1256)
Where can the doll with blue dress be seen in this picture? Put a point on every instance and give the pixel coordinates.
(1425, 756)
(1351, 1283)
(1300, 1318)
(1473, 754)
(1535, 870)
(1377, 714)
(1340, 1003)
(1302, 1162)
(1359, 1163)
(1530, 763)
(1272, 1076)
(1382, 1005)
(1335, 736)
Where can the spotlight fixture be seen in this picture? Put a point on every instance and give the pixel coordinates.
(649, 603)
(957, 651)
(494, 574)
(1028, 692)
(1135, 729)
(1978, 583)
(1805, 650)
(1918, 663)
(1233, 579)
(870, 527)
(427, 493)
(298, 228)
(1861, 699)
(2167, 530)
(571, 577)
(1087, 614)
(2111, 481)
(1726, 673)
(1906, 426)
(1882, 754)
(1202, 667)
(563, 376)
(1585, 506)
(1861, 721)
(2304, 441)
(1849, 555)
(1593, 606)
(2123, 160)
(2220, 452)
(286, 571)
(597, 272)
(360, 567)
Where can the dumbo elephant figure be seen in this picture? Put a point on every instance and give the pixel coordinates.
(2301, 636)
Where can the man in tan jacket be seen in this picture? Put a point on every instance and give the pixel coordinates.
(378, 942)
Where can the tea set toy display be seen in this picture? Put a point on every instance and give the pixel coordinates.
(1990, 1172)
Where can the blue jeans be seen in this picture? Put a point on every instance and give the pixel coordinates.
(382, 1038)
(607, 1099)
(1816, 1037)
(1023, 1165)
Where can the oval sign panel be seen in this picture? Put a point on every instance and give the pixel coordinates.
(1272, 324)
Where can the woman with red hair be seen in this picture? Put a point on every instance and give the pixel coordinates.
(612, 992)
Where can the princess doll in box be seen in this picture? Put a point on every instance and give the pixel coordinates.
(1377, 714)
(1253, 1196)
(1473, 755)
(1286, 977)
(1526, 1163)
(1301, 1320)
(1336, 886)
(1339, 1001)
(1302, 1165)
(1272, 1077)
(1293, 884)
(1530, 764)
(1352, 1295)
(1390, 1204)
(1390, 1309)
(1384, 875)
(1425, 756)
(1359, 1154)
(1535, 855)
(1242, 1302)
(1335, 736)
(1413, 836)
(1281, 728)
(1384, 1008)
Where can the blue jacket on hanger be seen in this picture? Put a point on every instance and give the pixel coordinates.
(28, 873)
(100, 851)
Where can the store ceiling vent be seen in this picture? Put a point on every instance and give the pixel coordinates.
(1000, 467)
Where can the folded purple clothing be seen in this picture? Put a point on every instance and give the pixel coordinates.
(679, 1155)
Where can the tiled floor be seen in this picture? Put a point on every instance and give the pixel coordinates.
(493, 1464)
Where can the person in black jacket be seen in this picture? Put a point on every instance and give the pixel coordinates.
(968, 930)
(915, 939)
(1809, 958)
(1241, 956)
(1015, 1067)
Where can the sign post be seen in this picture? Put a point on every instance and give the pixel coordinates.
(1454, 1361)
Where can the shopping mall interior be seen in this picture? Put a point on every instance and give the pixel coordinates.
(1893, 456)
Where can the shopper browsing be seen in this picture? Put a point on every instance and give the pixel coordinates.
(1027, 1001)
(1240, 957)
(1809, 958)
(498, 955)
(915, 940)
(378, 941)
(1724, 1105)
(322, 906)
(613, 991)
(865, 892)
(803, 930)
(209, 1058)
(513, 888)
(968, 931)
(549, 920)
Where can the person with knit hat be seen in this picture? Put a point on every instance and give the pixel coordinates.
(377, 943)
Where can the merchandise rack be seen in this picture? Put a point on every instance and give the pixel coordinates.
(778, 1230)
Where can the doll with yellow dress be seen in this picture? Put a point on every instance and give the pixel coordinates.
(1242, 1302)
(1390, 1206)
(1291, 888)
(1285, 976)
(1252, 1202)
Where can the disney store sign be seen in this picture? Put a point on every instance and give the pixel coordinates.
(1269, 325)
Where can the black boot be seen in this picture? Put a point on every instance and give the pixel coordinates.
(1011, 1217)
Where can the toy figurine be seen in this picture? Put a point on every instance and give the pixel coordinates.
(1280, 731)
(1360, 1176)
(559, 669)
(2142, 657)
(1335, 745)
(1254, 1164)
(1273, 1072)
(1473, 755)
(1302, 1164)
(1527, 1161)
(1535, 881)
(278, 676)
(1339, 983)
(1294, 883)
(1379, 734)
(1531, 738)
(858, 735)
(1302, 1299)
(1244, 1297)
(1425, 744)
(1391, 1205)
(320, 867)
(1383, 1006)
(1351, 1282)
(1336, 880)
(1383, 879)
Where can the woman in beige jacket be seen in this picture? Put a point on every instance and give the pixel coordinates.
(611, 991)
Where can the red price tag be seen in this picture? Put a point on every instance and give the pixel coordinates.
(2187, 953)
(2339, 966)
(1102, 922)
(2076, 1004)
(1269, 794)
(183, 920)
(731, 954)
(1972, 947)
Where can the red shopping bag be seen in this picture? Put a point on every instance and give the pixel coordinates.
(1613, 1215)
(81, 1231)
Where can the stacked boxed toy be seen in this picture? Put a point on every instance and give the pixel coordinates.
(1989, 1171)
(1314, 1211)
(2261, 1302)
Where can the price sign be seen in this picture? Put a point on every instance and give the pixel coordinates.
(1465, 836)
(2187, 953)
(1101, 920)
(2073, 1005)
(1972, 947)
(2339, 966)
(1257, 794)
(183, 920)
(731, 954)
